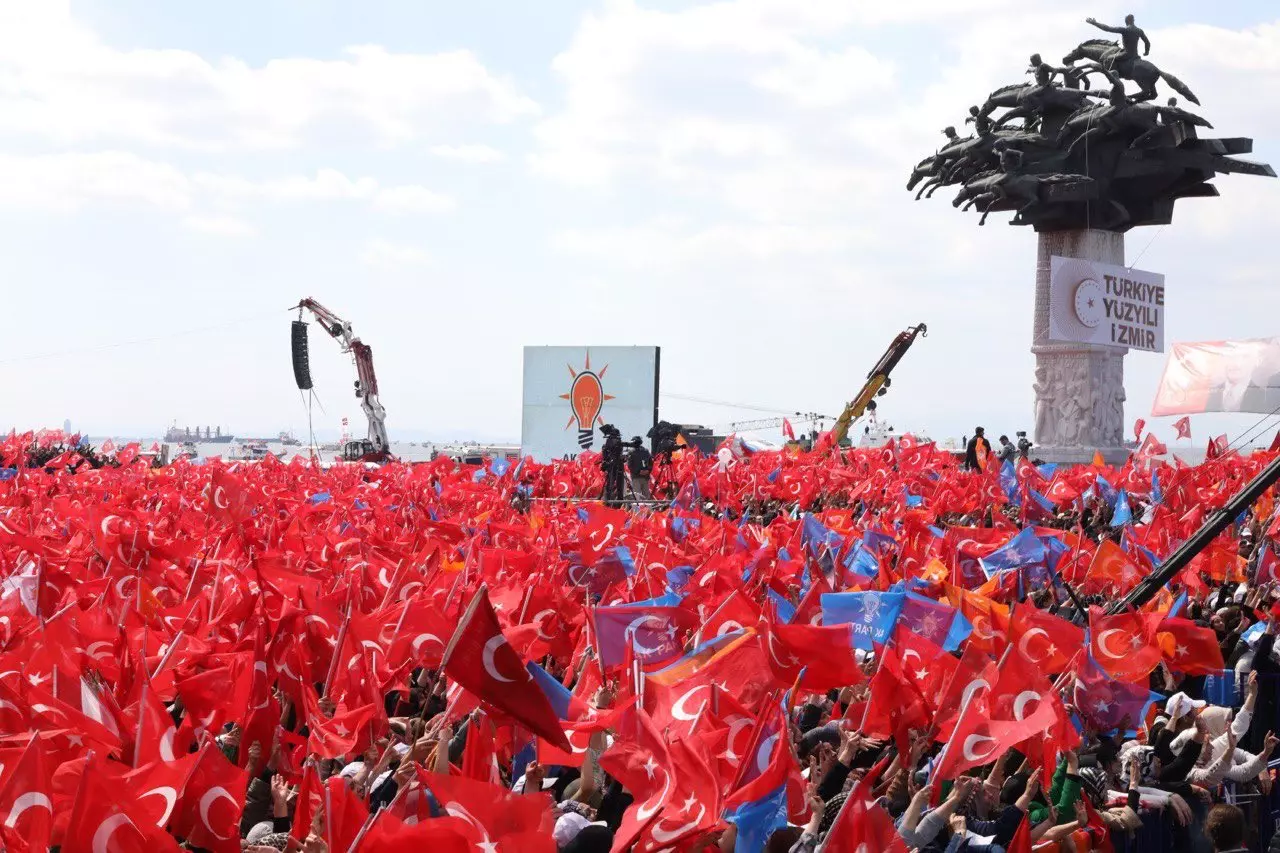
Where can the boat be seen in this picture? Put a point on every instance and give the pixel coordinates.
(210, 435)
(877, 433)
(250, 451)
(286, 438)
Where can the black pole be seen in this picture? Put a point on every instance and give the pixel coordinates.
(1186, 552)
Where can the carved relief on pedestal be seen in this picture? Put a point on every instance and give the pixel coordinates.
(1079, 398)
(1108, 413)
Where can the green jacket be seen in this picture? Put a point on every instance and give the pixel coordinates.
(1063, 794)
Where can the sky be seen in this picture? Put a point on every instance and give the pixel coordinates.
(725, 180)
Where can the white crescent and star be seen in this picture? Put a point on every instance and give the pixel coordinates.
(206, 802)
(652, 805)
(1105, 650)
(537, 620)
(971, 688)
(422, 639)
(972, 742)
(634, 627)
(1020, 703)
(765, 751)
(1024, 645)
(678, 710)
(490, 649)
(791, 660)
(102, 836)
(661, 836)
(457, 810)
(29, 800)
(170, 797)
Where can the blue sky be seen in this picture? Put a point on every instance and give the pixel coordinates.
(459, 180)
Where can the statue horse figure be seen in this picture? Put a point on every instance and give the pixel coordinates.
(1110, 55)
(1031, 99)
(1139, 122)
(996, 187)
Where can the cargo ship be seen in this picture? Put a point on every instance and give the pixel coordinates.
(210, 435)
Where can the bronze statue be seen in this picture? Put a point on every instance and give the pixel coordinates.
(1084, 159)
(1123, 59)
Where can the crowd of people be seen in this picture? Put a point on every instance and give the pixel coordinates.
(836, 650)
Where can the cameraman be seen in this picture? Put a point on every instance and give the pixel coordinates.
(1024, 446)
(611, 463)
(640, 464)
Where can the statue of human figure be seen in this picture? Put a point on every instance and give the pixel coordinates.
(1130, 34)
(1044, 72)
(1045, 427)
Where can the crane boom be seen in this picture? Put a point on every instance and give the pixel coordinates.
(877, 381)
(764, 423)
(377, 446)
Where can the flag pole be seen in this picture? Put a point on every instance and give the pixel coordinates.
(462, 625)
(337, 649)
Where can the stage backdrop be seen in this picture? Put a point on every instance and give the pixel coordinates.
(1220, 376)
(570, 391)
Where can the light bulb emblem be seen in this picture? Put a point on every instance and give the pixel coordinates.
(586, 399)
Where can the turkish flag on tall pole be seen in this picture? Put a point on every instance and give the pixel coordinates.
(482, 661)
(1183, 426)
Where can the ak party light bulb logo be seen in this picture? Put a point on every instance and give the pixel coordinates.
(586, 398)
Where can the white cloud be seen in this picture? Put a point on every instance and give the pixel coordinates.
(219, 225)
(412, 199)
(59, 81)
(325, 185)
(68, 181)
(468, 153)
(669, 244)
(390, 256)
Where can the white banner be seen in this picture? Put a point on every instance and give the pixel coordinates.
(569, 392)
(1094, 303)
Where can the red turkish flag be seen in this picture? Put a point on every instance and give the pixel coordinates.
(208, 814)
(1112, 569)
(104, 819)
(150, 731)
(344, 814)
(1138, 426)
(978, 739)
(159, 785)
(695, 803)
(863, 826)
(824, 652)
(736, 612)
(1050, 642)
(1183, 426)
(338, 735)
(423, 632)
(1021, 841)
(229, 498)
(641, 761)
(1188, 648)
(26, 804)
(480, 659)
(389, 834)
(1123, 645)
(496, 819)
(217, 696)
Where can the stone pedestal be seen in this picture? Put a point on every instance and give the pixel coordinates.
(1079, 388)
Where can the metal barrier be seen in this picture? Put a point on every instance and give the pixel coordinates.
(1262, 811)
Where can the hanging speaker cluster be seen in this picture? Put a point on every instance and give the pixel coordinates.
(301, 356)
